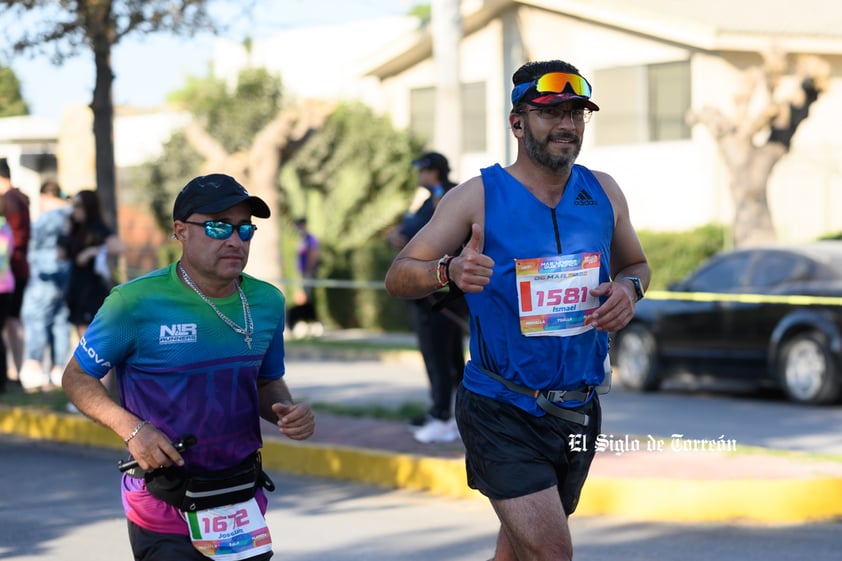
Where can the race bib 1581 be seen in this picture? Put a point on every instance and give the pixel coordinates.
(554, 293)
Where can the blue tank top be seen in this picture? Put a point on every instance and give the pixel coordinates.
(519, 226)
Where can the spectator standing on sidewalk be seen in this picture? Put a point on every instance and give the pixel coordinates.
(302, 319)
(89, 246)
(44, 312)
(440, 329)
(7, 285)
(198, 349)
(546, 278)
(17, 216)
(87, 237)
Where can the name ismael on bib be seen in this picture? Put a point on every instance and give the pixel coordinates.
(554, 294)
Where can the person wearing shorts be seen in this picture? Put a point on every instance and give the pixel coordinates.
(552, 265)
(198, 351)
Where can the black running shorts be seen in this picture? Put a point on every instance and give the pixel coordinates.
(510, 453)
(153, 546)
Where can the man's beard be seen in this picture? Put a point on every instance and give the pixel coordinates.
(540, 153)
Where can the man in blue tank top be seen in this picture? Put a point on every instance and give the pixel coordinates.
(551, 266)
(198, 350)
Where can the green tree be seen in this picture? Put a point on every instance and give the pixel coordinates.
(232, 117)
(229, 117)
(247, 132)
(68, 27)
(352, 179)
(12, 103)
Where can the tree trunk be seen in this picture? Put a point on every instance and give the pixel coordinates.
(750, 166)
(102, 107)
(752, 220)
(258, 170)
(264, 165)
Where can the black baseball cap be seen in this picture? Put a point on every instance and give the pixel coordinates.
(433, 160)
(209, 194)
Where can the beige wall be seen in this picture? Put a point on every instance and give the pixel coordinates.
(75, 150)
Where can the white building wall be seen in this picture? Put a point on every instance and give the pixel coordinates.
(140, 137)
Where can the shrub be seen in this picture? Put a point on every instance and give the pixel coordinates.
(673, 255)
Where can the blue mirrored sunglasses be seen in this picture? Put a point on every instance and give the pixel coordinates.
(219, 230)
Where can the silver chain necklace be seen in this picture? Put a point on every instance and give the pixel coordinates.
(246, 331)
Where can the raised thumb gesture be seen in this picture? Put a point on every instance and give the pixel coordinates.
(475, 243)
(472, 270)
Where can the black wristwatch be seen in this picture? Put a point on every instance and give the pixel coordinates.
(638, 288)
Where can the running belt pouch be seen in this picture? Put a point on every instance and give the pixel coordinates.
(167, 484)
(200, 491)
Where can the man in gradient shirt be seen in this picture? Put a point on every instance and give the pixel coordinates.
(198, 349)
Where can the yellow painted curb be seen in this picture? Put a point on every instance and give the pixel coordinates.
(440, 476)
(759, 500)
(43, 425)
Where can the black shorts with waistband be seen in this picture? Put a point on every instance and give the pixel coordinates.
(510, 453)
(155, 546)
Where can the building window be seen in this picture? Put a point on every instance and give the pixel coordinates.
(422, 115)
(642, 103)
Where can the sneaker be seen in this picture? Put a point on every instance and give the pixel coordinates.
(437, 430)
(300, 330)
(315, 329)
(56, 373)
(33, 378)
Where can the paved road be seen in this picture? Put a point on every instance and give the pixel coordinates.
(708, 412)
(61, 502)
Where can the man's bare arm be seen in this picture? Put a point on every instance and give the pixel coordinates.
(457, 219)
(149, 446)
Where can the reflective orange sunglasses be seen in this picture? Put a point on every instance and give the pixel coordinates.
(554, 83)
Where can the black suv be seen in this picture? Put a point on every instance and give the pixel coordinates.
(769, 314)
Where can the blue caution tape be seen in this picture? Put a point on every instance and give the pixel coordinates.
(794, 299)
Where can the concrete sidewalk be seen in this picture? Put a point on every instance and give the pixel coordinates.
(626, 479)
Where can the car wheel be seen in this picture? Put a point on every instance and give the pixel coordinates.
(806, 369)
(637, 359)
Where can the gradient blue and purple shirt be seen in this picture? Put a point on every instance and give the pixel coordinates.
(183, 369)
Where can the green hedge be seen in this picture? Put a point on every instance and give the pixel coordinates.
(366, 308)
(673, 255)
